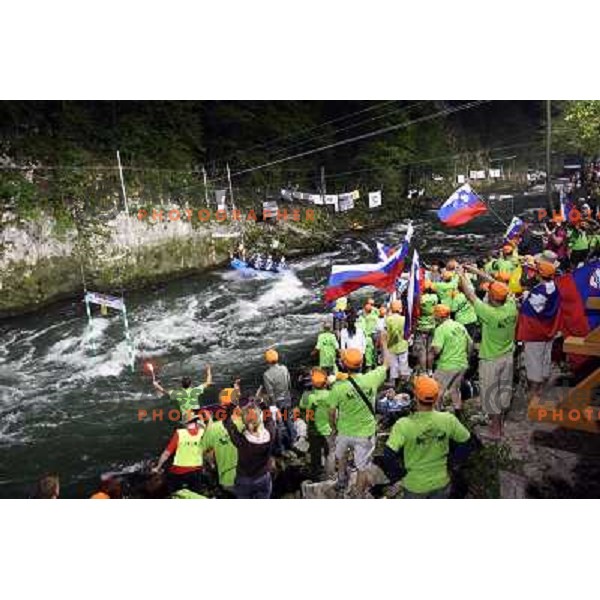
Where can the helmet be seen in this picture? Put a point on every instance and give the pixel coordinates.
(426, 389)
(546, 269)
(318, 378)
(271, 356)
(441, 311)
(352, 358)
(396, 306)
(498, 291)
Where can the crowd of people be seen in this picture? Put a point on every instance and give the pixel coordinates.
(467, 329)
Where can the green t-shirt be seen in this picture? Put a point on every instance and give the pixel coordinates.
(426, 322)
(498, 325)
(318, 402)
(185, 494)
(368, 322)
(354, 418)
(217, 439)
(452, 339)
(425, 438)
(394, 325)
(577, 239)
(187, 398)
(444, 288)
(506, 265)
(463, 310)
(327, 345)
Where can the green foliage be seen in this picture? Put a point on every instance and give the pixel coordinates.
(578, 127)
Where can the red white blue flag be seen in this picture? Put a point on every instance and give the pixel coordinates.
(461, 207)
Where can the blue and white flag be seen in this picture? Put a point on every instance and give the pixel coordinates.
(514, 229)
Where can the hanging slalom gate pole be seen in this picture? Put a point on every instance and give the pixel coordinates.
(205, 188)
(130, 344)
(230, 187)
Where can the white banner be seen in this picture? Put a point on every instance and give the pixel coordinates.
(374, 199)
(495, 173)
(270, 208)
(346, 204)
(221, 197)
(316, 198)
(332, 199)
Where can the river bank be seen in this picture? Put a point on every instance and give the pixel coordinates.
(42, 262)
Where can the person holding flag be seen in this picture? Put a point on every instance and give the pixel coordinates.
(537, 327)
(394, 345)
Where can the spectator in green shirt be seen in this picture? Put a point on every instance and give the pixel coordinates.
(464, 313)
(186, 397)
(452, 347)
(445, 287)
(395, 347)
(352, 417)
(315, 407)
(425, 326)
(368, 322)
(327, 348)
(419, 445)
(498, 319)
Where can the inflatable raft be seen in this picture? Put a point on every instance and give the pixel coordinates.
(248, 270)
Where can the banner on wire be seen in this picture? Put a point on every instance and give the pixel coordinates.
(270, 209)
(374, 199)
(346, 204)
(316, 199)
(220, 198)
(476, 174)
(461, 179)
(495, 173)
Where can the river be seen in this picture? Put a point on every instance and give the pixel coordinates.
(69, 408)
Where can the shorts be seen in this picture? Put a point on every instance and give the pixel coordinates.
(538, 360)
(450, 381)
(496, 383)
(362, 447)
(422, 341)
(399, 365)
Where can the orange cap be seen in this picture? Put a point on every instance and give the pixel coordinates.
(503, 276)
(352, 358)
(498, 291)
(226, 396)
(427, 285)
(546, 269)
(271, 356)
(557, 218)
(382, 311)
(396, 306)
(426, 389)
(99, 496)
(507, 249)
(318, 378)
(441, 311)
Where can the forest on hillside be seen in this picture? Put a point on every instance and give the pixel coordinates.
(53, 153)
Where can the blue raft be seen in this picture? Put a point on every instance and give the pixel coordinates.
(248, 270)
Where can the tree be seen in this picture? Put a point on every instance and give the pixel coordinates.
(579, 127)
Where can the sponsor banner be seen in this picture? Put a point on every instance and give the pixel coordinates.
(346, 204)
(374, 199)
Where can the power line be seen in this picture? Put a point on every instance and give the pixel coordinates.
(363, 136)
(301, 131)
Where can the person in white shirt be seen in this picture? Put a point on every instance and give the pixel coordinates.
(352, 336)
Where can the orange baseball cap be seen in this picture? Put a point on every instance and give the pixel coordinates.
(426, 389)
(99, 496)
(352, 358)
(546, 269)
(271, 356)
(503, 276)
(441, 310)
(498, 291)
(318, 378)
(226, 396)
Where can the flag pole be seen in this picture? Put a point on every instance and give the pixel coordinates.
(491, 209)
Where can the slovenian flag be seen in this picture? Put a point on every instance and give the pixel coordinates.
(514, 229)
(413, 295)
(461, 207)
(347, 278)
(383, 251)
(539, 314)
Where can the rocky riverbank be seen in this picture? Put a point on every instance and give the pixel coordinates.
(41, 261)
